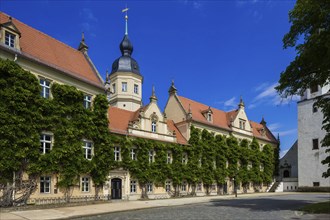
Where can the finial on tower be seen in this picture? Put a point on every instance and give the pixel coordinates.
(83, 46)
(153, 95)
(126, 19)
(172, 90)
(241, 103)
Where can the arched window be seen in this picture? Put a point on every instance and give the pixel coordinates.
(286, 173)
(153, 126)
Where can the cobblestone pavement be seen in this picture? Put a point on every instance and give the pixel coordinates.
(268, 207)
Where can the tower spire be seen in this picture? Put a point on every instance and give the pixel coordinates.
(126, 20)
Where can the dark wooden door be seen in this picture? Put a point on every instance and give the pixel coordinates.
(116, 188)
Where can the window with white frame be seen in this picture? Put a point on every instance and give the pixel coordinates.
(133, 153)
(116, 151)
(85, 184)
(184, 158)
(151, 156)
(45, 88)
(136, 88)
(242, 124)
(45, 143)
(45, 184)
(10, 39)
(184, 186)
(169, 157)
(87, 146)
(168, 186)
(153, 126)
(133, 186)
(124, 86)
(149, 187)
(87, 101)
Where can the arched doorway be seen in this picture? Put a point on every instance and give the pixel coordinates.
(116, 188)
(286, 173)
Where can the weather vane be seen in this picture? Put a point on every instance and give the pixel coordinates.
(126, 19)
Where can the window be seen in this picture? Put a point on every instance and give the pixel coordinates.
(116, 151)
(314, 88)
(315, 144)
(10, 39)
(184, 158)
(114, 87)
(169, 157)
(153, 126)
(261, 167)
(133, 154)
(209, 116)
(149, 187)
(45, 88)
(316, 183)
(45, 143)
(136, 89)
(87, 146)
(133, 186)
(314, 109)
(85, 184)
(45, 184)
(168, 186)
(87, 101)
(242, 124)
(151, 156)
(124, 86)
(184, 186)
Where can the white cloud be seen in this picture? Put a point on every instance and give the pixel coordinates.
(88, 15)
(88, 21)
(268, 95)
(274, 126)
(230, 102)
(286, 133)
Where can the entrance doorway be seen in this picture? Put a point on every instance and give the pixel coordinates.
(116, 188)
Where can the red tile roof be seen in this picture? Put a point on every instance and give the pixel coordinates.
(49, 51)
(120, 118)
(221, 119)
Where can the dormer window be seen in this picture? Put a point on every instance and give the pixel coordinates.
(242, 124)
(209, 116)
(10, 39)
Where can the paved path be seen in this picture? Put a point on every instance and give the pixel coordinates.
(98, 209)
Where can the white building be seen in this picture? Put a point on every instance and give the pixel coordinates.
(310, 135)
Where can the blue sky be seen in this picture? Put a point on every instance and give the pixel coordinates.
(215, 51)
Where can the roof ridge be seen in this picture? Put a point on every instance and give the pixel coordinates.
(204, 104)
(64, 44)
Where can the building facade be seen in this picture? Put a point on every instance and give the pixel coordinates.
(52, 61)
(310, 135)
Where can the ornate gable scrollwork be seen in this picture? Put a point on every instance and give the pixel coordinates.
(154, 117)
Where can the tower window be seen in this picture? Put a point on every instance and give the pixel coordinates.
(315, 144)
(136, 89)
(314, 109)
(124, 86)
(114, 87)
(10, 39)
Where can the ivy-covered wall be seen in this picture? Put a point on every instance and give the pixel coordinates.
(24, 115)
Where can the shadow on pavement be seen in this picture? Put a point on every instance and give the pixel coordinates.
(261, 204)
